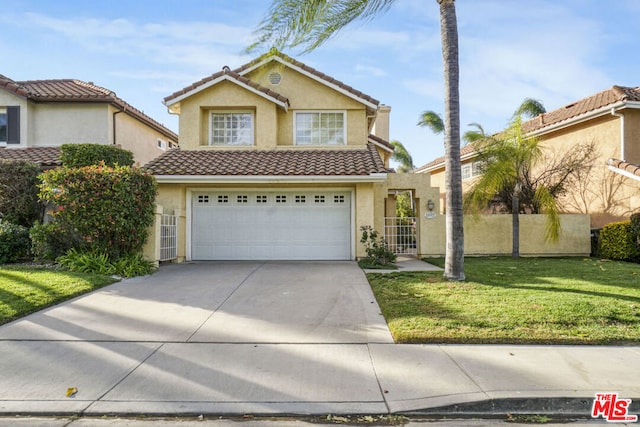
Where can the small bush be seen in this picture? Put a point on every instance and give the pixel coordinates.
(133, 265)
(87, 262)
(19, 202)
(617, 242)
(51, 240)
(378, 254)
(15, 244)
(80, 155)
(99, 263)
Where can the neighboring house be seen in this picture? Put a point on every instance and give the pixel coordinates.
(37, 116)
(279, 161)
(611, 120)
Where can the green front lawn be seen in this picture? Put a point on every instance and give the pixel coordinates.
(24, 290)
(525, 301)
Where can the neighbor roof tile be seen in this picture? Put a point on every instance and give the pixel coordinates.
(46, 157)
(71, 90)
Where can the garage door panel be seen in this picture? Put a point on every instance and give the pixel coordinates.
(271, 225)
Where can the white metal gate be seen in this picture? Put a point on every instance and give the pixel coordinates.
(168, 237)
(401, 235)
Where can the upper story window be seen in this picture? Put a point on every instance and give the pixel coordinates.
(231, 128)
(319, 128)
(469, 170)
(3, 125)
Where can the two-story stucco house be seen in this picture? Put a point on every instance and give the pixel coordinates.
(37, 116)
(609, 119)
(278, 161)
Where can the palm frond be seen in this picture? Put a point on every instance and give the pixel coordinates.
(431, 120)
(307, 24)
(549, 206)
(529, 108)
(402, 156)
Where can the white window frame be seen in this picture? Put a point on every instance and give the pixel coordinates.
(466, 171)
(247, 141)
(3, 111)
(342, 138)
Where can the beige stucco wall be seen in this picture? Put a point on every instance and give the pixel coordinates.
(68, 123)
(431, 238)
(492, 235)
(305, 93)
(132, 135)
(273, 125)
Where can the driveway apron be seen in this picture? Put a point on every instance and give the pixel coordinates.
(219, 337)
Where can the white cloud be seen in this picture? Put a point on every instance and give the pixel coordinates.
(203, 45)
(370, 71)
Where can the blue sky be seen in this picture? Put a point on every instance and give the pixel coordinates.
(557, 51)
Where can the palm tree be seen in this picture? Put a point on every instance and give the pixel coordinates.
(508, 160)
(402, 156)
(307, 24)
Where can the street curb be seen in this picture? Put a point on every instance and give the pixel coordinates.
(564, 407)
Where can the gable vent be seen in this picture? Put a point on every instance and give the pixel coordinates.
(275, 78)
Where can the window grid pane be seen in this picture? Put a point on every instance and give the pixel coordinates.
(231, 129)
(320, 128)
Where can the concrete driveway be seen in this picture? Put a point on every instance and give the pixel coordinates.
(220, 302)
(276, 338)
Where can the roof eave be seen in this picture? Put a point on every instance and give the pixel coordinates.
(228, 78)
(269, 179)
(311, 76)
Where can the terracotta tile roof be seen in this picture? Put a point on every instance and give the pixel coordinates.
(71, 90)
(231, 74)
(625, 166)
(464, 151)
(286, 162)
(607, 97)
(602, 99)
(240, 71)
(46, 157)
(381, 141)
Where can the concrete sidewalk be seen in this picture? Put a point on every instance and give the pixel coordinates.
(129, 378)
(170, 353)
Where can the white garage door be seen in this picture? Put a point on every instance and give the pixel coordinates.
(271, 225)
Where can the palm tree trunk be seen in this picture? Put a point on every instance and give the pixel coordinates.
(515, 228)
(454, 254)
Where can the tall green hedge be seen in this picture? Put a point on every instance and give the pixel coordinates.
(110, 207)
(79, 155)
(19, 202)
(617, 242)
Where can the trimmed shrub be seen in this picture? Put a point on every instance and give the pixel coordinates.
(79, 155)
(51, 240)
(19, 203)
(634, 227)
(14, 243)
(111, 208)
(617, 242)
(99, 263)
